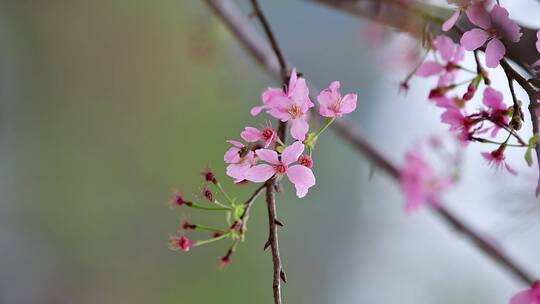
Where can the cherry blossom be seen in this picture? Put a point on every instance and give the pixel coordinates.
(498, 111)
(301, 176)
(289, 105)
(462, 5)
(494, 26)
(451, 54)
(332, 104)
(180, 242)
(268, 135)
(419, 183)
(240, 159)
(496, 159)
(528, 296)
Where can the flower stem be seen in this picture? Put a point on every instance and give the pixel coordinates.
(328, 123)
(224, 194)
(208, 241)
(197, 206)
(207, 228)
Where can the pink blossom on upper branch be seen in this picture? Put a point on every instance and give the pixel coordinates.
(268, 135)
(240, 159)
(462, 5)
(496, 159)
(301, 176)
(451, 53)
(332, 104)
(289, 105)
(494, 26)
(498, 111)
(419, 182)
(528, 296)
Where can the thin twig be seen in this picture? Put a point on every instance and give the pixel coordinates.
(273, 184)
(247, 207)
(271, 38)
(274, 242)
(264, 56)
(511, 73)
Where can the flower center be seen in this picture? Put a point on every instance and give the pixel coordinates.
(336, 106)
(295, 111)
(305, 161)
(280, 168)
(267, 134)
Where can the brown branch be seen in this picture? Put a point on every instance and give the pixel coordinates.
(271, 38)
(232, 17)
(263, 56)
(247, 207)
(274, 241)
(511, 73)
(411, 17)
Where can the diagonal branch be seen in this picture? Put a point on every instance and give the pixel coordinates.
(240, 25)
(414, 16)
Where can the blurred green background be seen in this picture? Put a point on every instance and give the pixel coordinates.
(106, 106)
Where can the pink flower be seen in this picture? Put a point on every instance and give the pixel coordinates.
(498, 111)
(301, 176)
(268, 135)
(494, 26)
(462, 5)
(419, 183)
(332, 104)
(177, 200)
(451, 54)
(240, 159)
(528, 296)
(496, 159)
(291, 105)
(181, 242)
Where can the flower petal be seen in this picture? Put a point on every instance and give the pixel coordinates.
(445, 46)
(495, 51)
(302, 177)
(267, 155)
(479, 16)
(348, 103)
(493, 99)
(238, 171)
(257, 109)
(232, 156)
(474, 39)
(448, 24)
(251, 134)
(292, 152)
(269, 94)
(299, 128)
(429, 68)
(259, 173)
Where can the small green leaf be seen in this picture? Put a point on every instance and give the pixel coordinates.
(532, 143)
(238, 211)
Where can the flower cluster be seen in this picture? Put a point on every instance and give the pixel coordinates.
(234, 214)
(291, 104)
(484, 123)
(261, 156)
